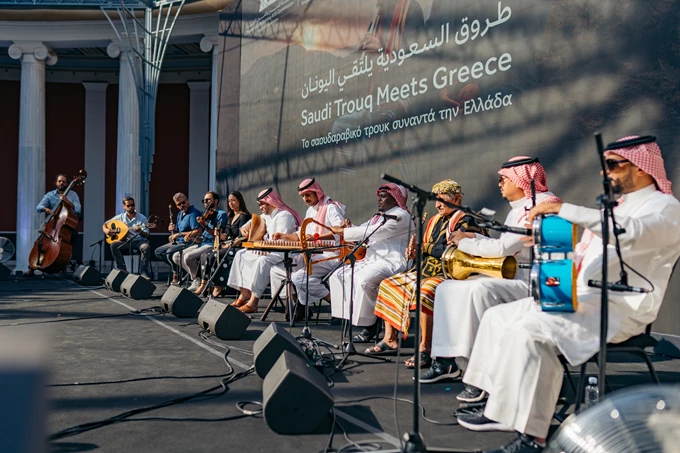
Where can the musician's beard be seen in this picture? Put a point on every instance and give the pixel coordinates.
(623, 185)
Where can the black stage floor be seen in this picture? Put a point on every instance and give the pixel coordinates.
(88, 348)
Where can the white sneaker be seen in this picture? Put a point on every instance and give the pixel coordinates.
(195, 284)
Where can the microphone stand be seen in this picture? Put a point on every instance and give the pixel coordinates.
(218, 263)
(99, 243)
(306, 331)
(414, 441)
(607, 205)
(350, 349)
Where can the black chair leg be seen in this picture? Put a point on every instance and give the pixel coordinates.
(650, 366)
(318, 312)
(579, 393)
(570, 380)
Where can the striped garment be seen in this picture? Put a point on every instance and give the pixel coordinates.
(395, 295)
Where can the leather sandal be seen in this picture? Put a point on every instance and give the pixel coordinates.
(381, 348)
(237, 303)
(248, 309)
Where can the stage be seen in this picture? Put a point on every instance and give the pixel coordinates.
(93, 341)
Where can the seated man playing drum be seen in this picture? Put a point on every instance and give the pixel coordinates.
(395, 295)
(515, 356)
(459, 304)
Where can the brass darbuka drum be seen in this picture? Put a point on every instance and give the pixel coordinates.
(458, 265)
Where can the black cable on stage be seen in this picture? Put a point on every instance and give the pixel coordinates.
(205, 336)
(403, 400)
(359, 446)
(144, 312)
(142, 379)
(240, 406)
(224, 386)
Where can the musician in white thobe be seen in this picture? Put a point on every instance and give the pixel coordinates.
(324, 211)
(384, 257)
(250, 269)
(460, 304)
(515, 356)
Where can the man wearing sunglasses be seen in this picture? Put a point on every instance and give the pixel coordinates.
(183, 233)
(460, 304)
(515, 356)
(137, 238)
(192, 254)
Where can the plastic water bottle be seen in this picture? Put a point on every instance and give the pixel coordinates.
(592, 392)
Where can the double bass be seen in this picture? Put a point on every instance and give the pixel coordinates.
(52, 250)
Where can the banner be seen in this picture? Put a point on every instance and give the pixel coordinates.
(345, 90)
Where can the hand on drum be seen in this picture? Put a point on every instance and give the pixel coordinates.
(543, 209)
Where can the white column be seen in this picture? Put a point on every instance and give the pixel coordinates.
(209, 43)
(128, 164)
(31, 172)
(199, 140)
(95, 164)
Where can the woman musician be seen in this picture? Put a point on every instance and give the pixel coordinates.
(229, 242)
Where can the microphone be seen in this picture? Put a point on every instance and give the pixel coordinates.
(505, 229)
(618, 287)
(394, 217)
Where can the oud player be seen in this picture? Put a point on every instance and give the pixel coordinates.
(136, 239)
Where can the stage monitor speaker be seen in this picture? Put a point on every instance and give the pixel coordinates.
(295, 396)
(181, 302)
(270, 345)
(4, 272)
(87, 276)
(136, 287)
(115, 278)
(223, 321)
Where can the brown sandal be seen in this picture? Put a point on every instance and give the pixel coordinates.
(248, 309)
(217, 290)
(238, 302)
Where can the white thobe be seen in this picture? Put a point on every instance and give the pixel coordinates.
(334, 216)
(515, 356)
(384, 258)
(250, 269)
(460, 304)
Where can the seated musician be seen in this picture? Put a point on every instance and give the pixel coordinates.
(395, 295)
(183, 233)
(52, 199)
(137, 238)
(515, 356)
(459, 304)
(250, 270)
(327, 212)
(384, 258)
(237, 216)
(211, 217)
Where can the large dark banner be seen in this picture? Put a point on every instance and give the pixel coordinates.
(344, 90)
